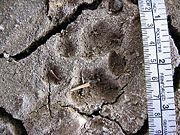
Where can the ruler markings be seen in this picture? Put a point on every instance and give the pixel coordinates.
(165, 41)
(164, 30)
(168, 58)
(161, 8)
(158, 68)
(169, 80)
(160, 19)
(170, 92)
(168, 86)
(165, 24)
(172, 115)
(146, 28)
(165, 35)
(167, 110)
(171, 120)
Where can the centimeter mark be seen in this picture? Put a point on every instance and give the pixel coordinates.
(158, 68)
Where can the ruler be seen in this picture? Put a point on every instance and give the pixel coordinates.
(158, 68)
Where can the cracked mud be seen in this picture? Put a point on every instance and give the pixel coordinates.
(73, 67)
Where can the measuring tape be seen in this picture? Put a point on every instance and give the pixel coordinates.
(158, 68)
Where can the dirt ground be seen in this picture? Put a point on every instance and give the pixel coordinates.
(75, 67)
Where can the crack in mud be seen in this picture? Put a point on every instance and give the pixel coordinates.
(97, 111)
(174, 33)
(94, 113)
(47, 9)
(144, 129)
(1, 55)
(37, 110)
(135, 2)
(176, 78)
(77, 110)
(117, 98)
(176, 38)
(49, 99)
(114, 120)
(54, 30)
(17, 124)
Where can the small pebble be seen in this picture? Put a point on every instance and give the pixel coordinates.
(115, 5)
(1, 28)
(6, 55)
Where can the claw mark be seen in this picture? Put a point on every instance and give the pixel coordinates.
(54, 75)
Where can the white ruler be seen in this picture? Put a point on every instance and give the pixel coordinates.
(158, 68)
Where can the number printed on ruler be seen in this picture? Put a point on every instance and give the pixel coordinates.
(158, 68)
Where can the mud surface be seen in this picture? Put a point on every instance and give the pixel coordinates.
(75, 67)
